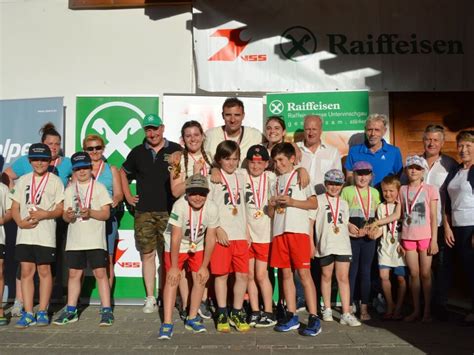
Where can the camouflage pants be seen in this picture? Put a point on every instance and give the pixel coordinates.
(149, 228)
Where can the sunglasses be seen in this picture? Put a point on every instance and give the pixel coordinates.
(363, 172)
(95, 148)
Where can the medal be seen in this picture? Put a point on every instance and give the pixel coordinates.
(334, 215)
(86, 202)
(336, 229)
(37, 191)
(392, 240)
(280, 210)
(235, 211)
(192, 246)
(392, 227)
(259, 195)
(361, 203)
(194, 231)
(233, 198)
(409, 204)
(258, 214)
(408, 220)
(282, 192)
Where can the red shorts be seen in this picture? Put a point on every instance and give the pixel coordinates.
(234, 258)
(259, 251)
(194, 260)
(418, 245)
(291, 250)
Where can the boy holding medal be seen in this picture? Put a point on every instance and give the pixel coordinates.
(37, 201)
(189, 238)
(293, 244)
(259, 224)
(86, 209)
(333, 246)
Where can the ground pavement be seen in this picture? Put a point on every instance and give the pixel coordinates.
(135, 332)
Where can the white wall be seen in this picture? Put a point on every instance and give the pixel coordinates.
(48, 50)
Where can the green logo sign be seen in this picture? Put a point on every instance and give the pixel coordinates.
(297, 42)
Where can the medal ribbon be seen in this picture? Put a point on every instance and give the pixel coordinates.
(101, 167)
(87, 201)
(233, 198)
(361, 203)
(260, 194)
(194, 231)
(37, 191)
(408, 205)
(334, 216)
(391, 226)
(287, 185)
(204, 168)
(241, 134)
(56, 162)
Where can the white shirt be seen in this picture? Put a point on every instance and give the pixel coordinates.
(462, 200)
(5, 205)
(326, 157)
(387, 251)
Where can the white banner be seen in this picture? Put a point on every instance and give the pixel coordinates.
(281, 45)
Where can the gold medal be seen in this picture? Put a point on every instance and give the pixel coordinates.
(336, 229)
(235, 211)
(192, 246)
(258, 214)
(280, 210)
(408, 220)
(392, 240)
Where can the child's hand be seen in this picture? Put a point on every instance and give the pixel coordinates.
(363, 231)
(284, 200)
(272, 201)
(85, 213)
(174, 158)
(198, 165)
(38, 214)
(216, 176)
(401, 251)
(173, 276)
(433, 249)
(303, 177)
(28, 223)
(449, 237)
(202, 275)
(222, 237)
(132, 201)
(353, 230)
(70, 214)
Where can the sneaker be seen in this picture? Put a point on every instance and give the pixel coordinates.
(237, 320)
(327, 315)
(195, 325)
(166, 331)
(66, 317)
(266, 320)
(150, 305)
(354, 308)
(287, 324)
(17, 309)
(106, 318)
(254, 318)
(183, 315)
(223, 323)
(3, 321)
(350, 320)
(42, 318)
(26, 320)
(204, 310)
(313, 328)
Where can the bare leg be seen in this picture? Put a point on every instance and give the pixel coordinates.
(309, 289)
(46, 285)
(402, 289)
(289, 289)
(220, 284)
(414, 267)
(196, 297)
(252, 287)
(103, 285)
(74, 286)
(261, 274)
(27, 285)
(387, 290)
(149, 272)
(342, 276)
(169, 300)
(240, 286)
(326, 278)
(425, 274)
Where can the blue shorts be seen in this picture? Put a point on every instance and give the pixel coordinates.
(397, 270)
(111, 230)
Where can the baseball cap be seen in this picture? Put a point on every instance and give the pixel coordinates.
(416, 160)
(362, 165)
(334, 175)
(197, 183)
(81, 160)
(39, 151)
(258, 152)
(152, 120)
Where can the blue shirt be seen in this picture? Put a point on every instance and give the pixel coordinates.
(107, 179)
(22, 166)
(385, 161)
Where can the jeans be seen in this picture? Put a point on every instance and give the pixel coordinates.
(464, 248)
(363, 251)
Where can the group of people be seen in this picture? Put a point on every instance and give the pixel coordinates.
(231, 203)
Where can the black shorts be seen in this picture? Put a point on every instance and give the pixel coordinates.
(2, 251)
(329, 259)
(35, 254)
(78, 259)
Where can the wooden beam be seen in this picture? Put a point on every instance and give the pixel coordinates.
(116, 4)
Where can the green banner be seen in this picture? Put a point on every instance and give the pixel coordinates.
(340, 110)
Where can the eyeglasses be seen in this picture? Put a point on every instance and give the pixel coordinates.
(95, 148)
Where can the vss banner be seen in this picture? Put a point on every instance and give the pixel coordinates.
(343, 113)
(118, 120)
(21, 120)
(282, 45)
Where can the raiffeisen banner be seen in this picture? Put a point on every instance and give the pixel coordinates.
(277, 45)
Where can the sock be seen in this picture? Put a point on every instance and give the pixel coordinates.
(235, 311)
(222, 310)
(312, 316)
(70, 308)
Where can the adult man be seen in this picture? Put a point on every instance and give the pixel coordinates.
(385, 158)
(233, 115)
(147, 163)
(317, 156)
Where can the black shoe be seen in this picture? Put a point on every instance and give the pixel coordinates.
(280, 312)
(266, 320)
(254, 318)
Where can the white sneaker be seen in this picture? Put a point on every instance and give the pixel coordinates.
(327, 315)
(17, 309)
(350, 320)
(150, 305)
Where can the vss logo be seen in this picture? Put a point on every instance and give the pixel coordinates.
(234, 47)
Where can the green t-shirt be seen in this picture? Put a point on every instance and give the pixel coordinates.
(356, 213)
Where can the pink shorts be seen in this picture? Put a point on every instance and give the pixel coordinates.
(418, 245)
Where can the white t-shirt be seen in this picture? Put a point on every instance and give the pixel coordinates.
(462, 200)
(327, 240)
(215, 135)
(293, 220)
(179, 217)
(235, 225)
(387, 251)
(86, 234)
(189, 169)
(260, 224)
(5, 205)
(44, 234)
(325, 158)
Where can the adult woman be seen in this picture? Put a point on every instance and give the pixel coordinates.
(275, 130)
(108, 175)
(459, 210)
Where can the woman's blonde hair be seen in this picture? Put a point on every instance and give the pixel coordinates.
(92, 137)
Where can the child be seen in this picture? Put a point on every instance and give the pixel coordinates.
(390, 253)
(5, 216)
(231, 253)
(292, 244)
(86, 209)
(189, 237)
(333, 246)
(259, 223)
(363, 201)
(419, 232)
(37, 202)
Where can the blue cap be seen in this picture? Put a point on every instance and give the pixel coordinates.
(81, 160)
(39, 151)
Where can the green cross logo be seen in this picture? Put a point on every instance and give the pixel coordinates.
(297, 43)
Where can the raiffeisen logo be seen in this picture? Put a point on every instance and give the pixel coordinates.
(234, 47)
